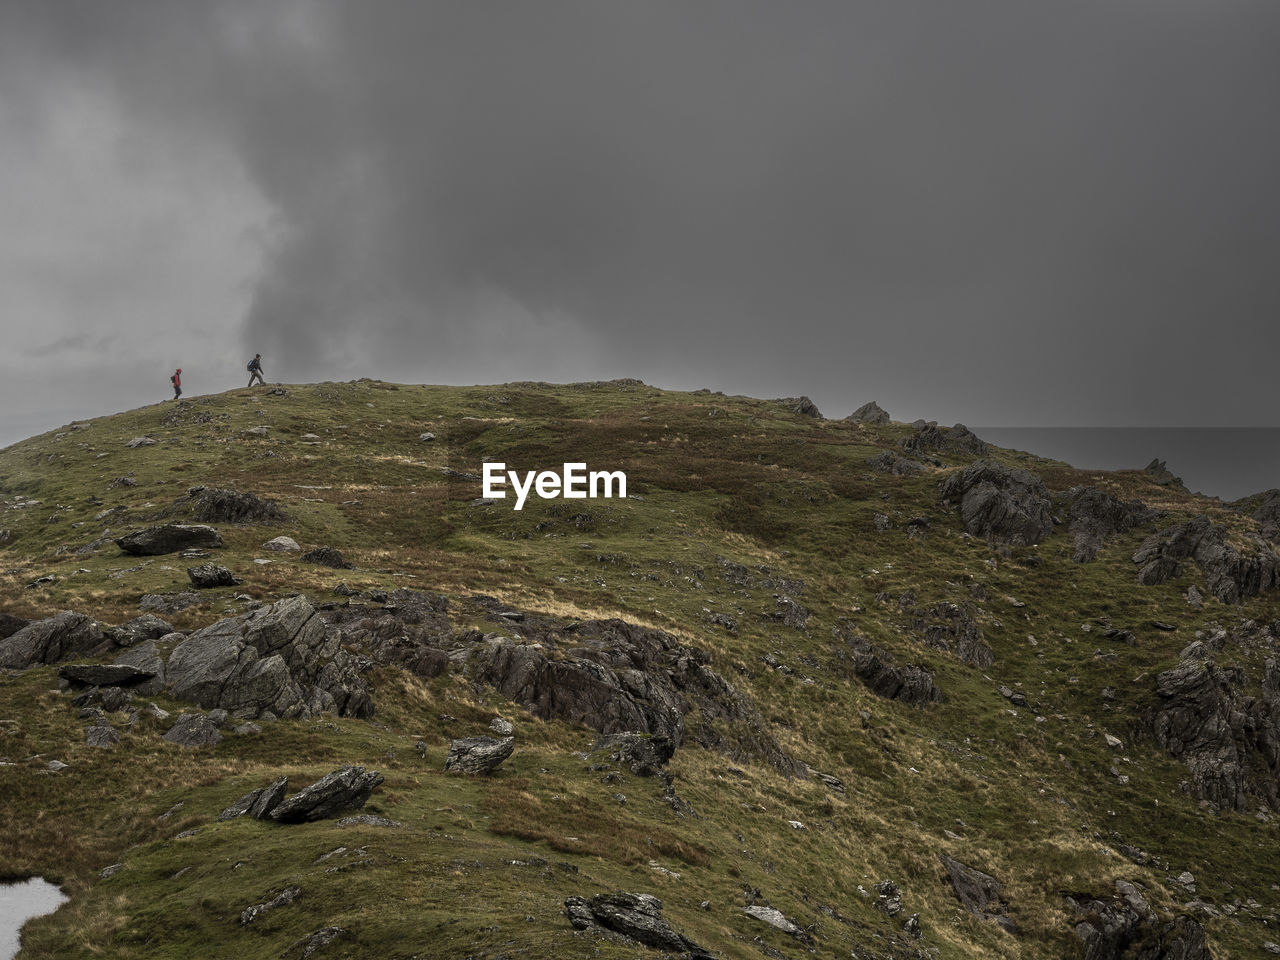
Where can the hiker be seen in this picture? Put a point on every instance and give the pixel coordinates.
(255, 370)
(176, 380)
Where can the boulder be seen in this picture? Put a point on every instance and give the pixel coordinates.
(282, 899)
(326, 557)
(978, 892)
(141, 442)
(194, 730)
(870, 412)
(102, 735)
(803, 406)
(778, 920)
(169, 602)
(257, 803)
(209, 575)
(876, 669)
(999, 503)
(9, 624)
(478, 755)
(169, 538)
(283, 658)
(634, 915)
(1097, 516)
(951, 628)
(345, 789)
(643, 754)
(1267, 513)
(138, 630)
(55, 638)
(283, 545)
(930, 438)
(896, 464)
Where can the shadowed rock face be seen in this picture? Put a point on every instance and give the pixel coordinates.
(1232, 575)
(169, 538)
(55, 638)
(283, 658)
(1000, 504)
(930, 438)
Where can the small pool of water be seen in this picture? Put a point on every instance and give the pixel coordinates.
(21, 901)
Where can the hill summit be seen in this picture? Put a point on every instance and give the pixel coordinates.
(278, 678)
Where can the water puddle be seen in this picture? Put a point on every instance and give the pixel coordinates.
(21, 901)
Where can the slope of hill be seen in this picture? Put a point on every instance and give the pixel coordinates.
(922, 703)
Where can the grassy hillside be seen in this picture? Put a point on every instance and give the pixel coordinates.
(738, 509)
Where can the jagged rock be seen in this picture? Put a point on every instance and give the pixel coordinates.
(282, 899)
(634, 915)
(326, 557)
(211, 575)
(478, 755)
(103, 674)
(929, 438)
(194, 730)
(1158, 472)
(102, 735)
(870, 412)
(803, 406)
(948, 627)
(876, 669)
(644, 754)
(426, 437)
(312, 943)
(55, 638)
(345, 789)
(283, 545)
(1231, 575)
(1096, 516)
(1267, 513)
(169, 538)
(789, 613)
(896, 464)
(978, 892)
(1125, 928)
(146, 657)
(283, 658)
(776, 919)
(257, 803)
(1000, 503)
(889, 901)
(141, 442)
(138, 630)
(214, 505)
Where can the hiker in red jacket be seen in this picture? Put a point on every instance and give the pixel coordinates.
(176, 379)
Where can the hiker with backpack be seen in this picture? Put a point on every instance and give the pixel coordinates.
(176, 380)
(255, 370)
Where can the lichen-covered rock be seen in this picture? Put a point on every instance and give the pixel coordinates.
(194, 730)
(345, 789)
(169, 538)
(1000, 504)
(55, 638)
(478, 755)
(634, 915)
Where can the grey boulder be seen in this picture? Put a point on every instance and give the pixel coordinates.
(478, 755)
(194, 730)
(869, 413)
(1001, 504)
(634, 915)
(55, 638)
(169, 538)
(210, 575)
(345, 789)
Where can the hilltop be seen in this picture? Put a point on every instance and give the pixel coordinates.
(876, 689)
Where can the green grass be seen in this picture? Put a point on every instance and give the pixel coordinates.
(1025, 795)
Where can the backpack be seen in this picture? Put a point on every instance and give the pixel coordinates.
(173, 378)
(249, 366)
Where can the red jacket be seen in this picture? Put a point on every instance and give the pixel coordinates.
(177, 380)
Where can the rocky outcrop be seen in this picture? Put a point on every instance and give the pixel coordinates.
(1158, 472)
(999, 503)
(1096, 516)
(896, 464)
(1267, 514)
(169, 538)
(644, 755)
(637, 916)
(283, 658)
(138, 630)
(1233, 571)
(479, 756)
(257, 803)
(951, 628)
(930, 438)
(803, 406)
(1124, 927)
(215, 505)
(342, 790)
(55, 638)
(876, 669)
(978, 892)
(870, 412)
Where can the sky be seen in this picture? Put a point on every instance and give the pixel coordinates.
(996, 212)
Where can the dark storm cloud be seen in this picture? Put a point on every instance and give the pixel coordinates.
(1000, 211)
